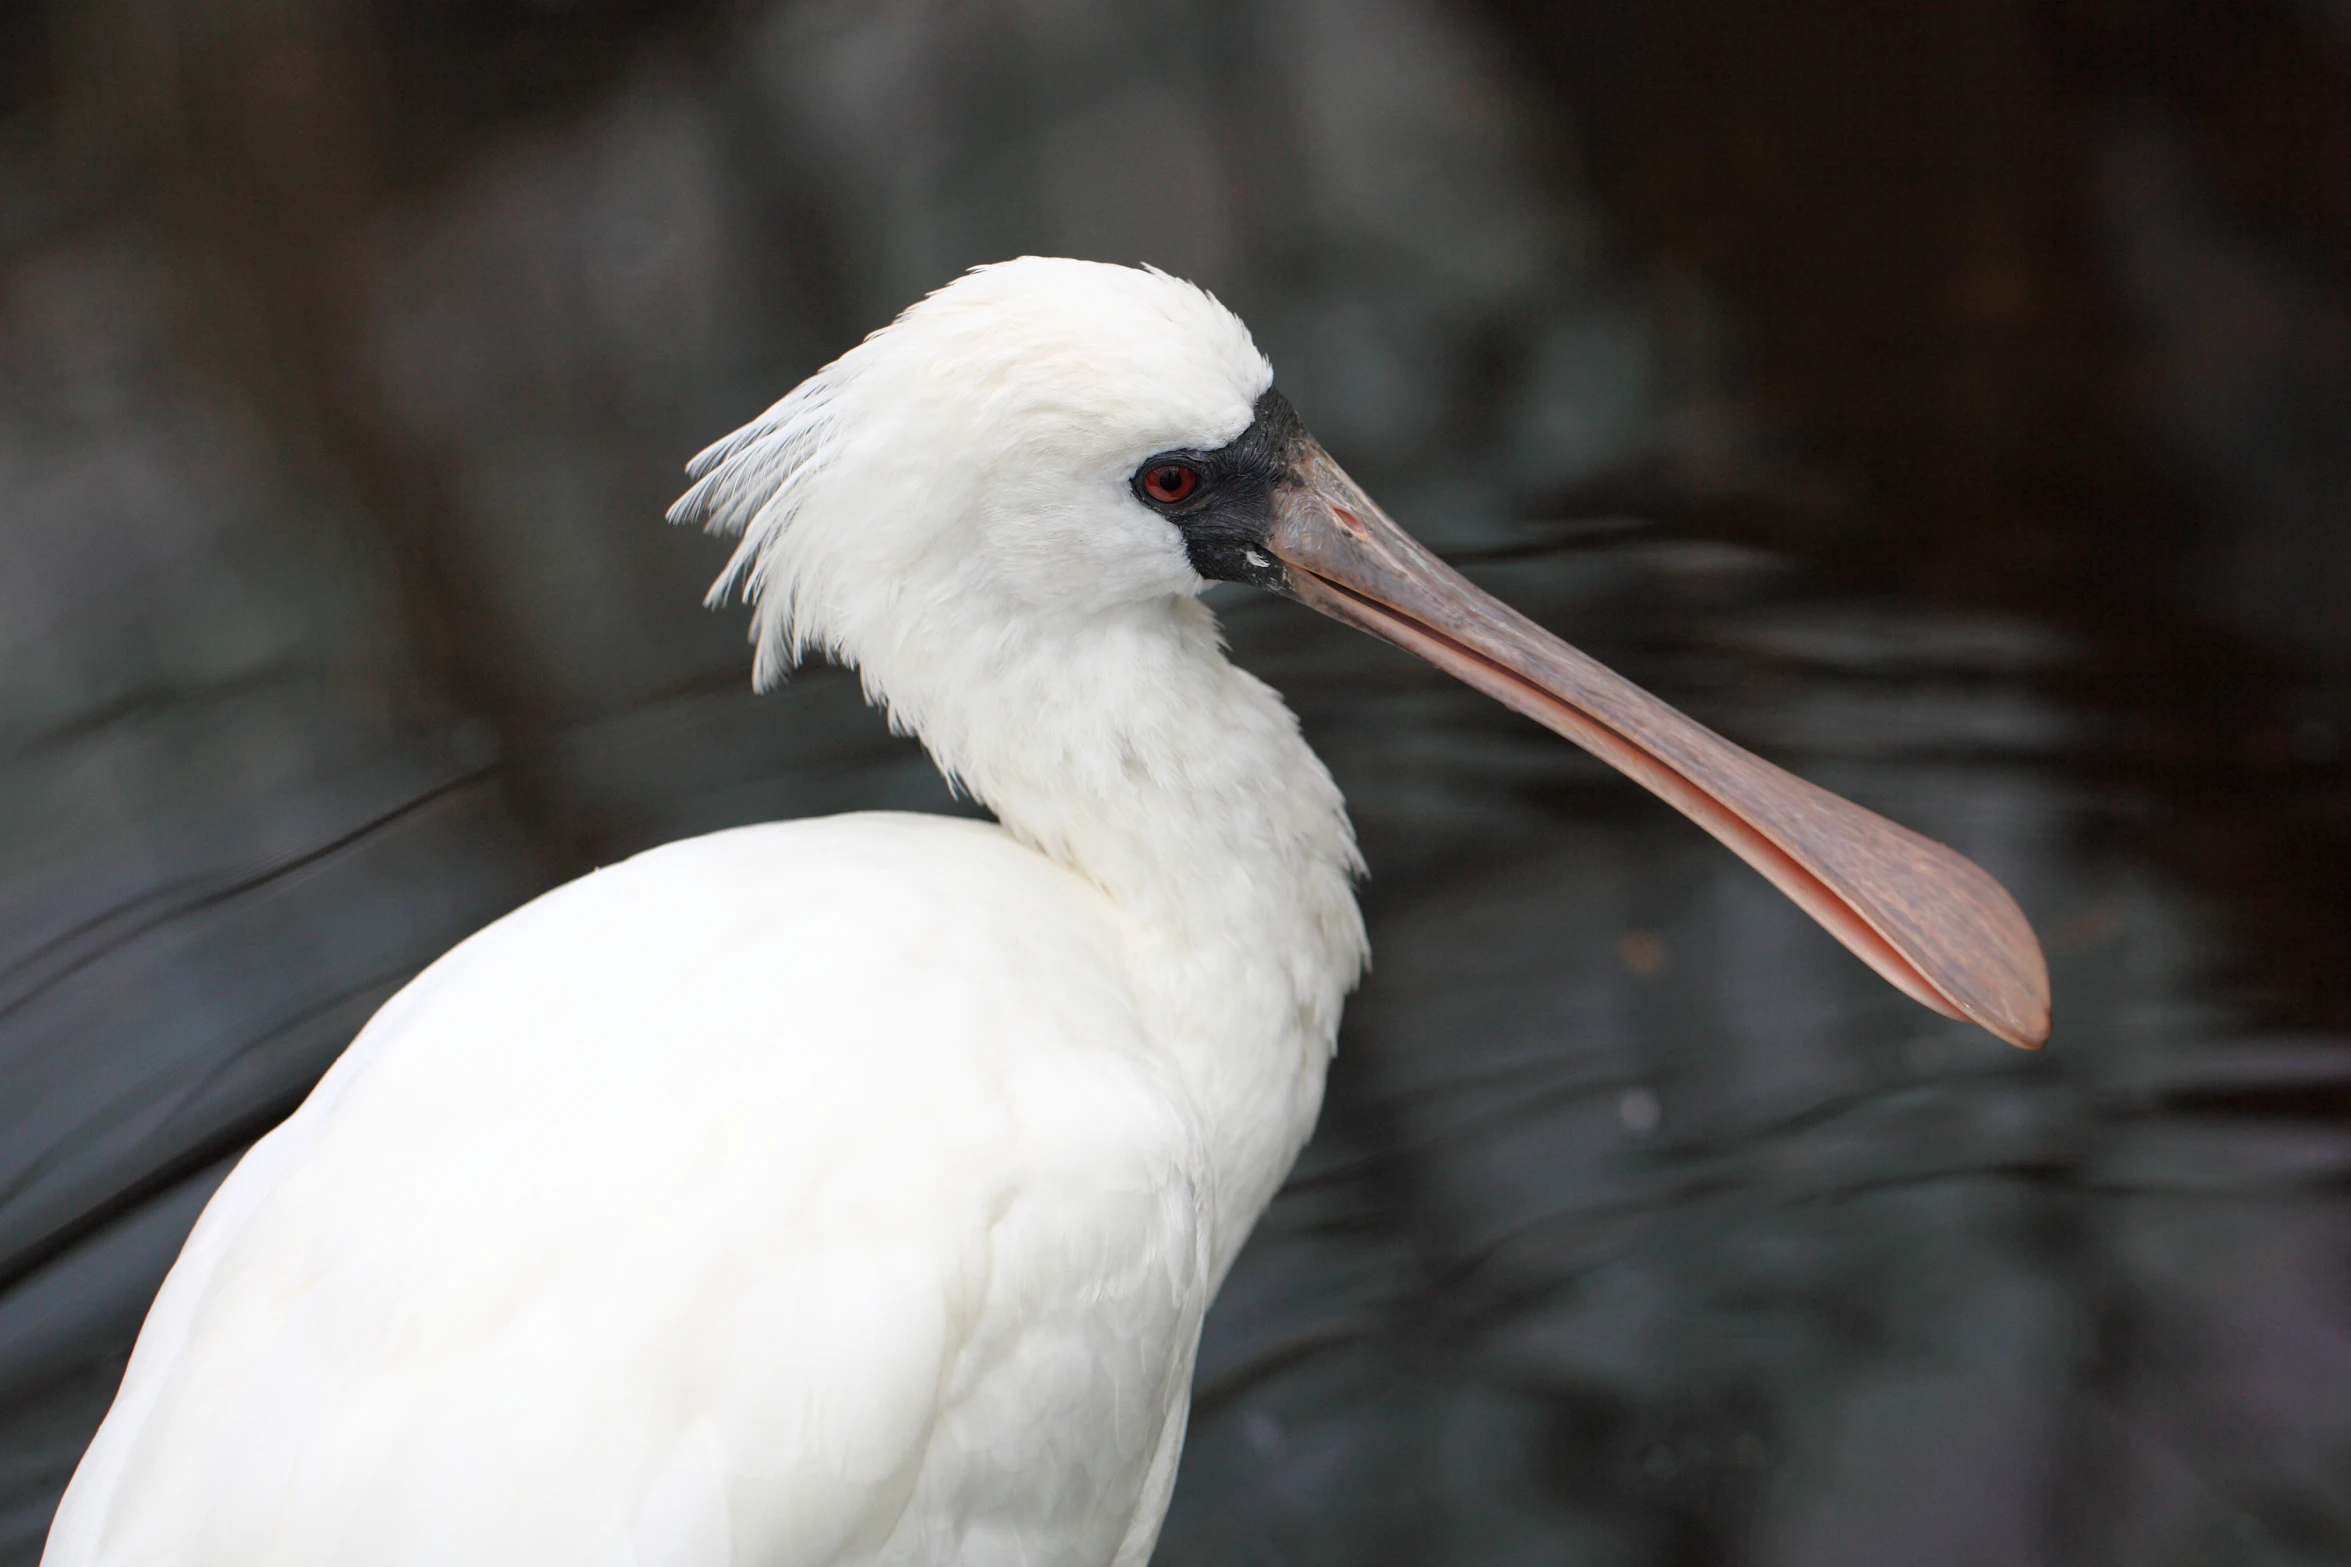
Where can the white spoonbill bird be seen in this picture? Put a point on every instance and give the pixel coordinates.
(851, 1190)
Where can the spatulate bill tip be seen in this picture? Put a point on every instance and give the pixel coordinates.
(2031, 1026)
(1965, 932)
(2024, 1033)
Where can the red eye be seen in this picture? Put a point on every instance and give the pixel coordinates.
(1170, 482)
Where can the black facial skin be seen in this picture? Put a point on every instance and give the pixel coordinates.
(1224, 522)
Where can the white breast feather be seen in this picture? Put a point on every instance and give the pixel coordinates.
(810, 1188)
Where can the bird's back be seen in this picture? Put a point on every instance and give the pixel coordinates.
(801, 1194)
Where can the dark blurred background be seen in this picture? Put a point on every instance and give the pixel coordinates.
(1949, 398)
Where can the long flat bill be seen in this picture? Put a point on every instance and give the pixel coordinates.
(1930, 920)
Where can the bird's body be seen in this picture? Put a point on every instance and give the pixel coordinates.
(807, 1193)
(852, 1191)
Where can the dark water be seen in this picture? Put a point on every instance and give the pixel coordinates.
(1947, 402)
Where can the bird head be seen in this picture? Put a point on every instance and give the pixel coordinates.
(1047, 444)
(975, 461)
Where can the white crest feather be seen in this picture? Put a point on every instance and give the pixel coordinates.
(752, 484)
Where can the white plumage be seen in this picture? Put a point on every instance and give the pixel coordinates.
(835, 1191)
(851, 1191)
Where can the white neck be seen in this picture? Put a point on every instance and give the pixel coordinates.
(1127, 747)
